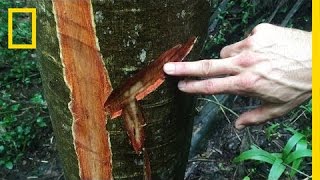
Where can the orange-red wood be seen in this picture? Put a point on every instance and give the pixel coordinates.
(89, 86)
(134, 123)
(146, 80)
(124, 99)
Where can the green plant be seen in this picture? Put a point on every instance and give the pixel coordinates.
(23, 112)
(307, 107)
(290, 158)
(272, 130)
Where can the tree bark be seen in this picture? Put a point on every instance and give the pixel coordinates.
(131, 34)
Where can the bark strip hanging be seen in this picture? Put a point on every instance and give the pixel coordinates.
(89, 86)
(124, 100)
(146, 80)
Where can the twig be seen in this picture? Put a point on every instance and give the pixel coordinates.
(280, 4)
(222, 107)
(224, 113)
(213, 21)
(295, 119)
(277, 144)
(61, 176)
(235, 132)
(214, 17)
(219, 104)
(293, 10)
(208, 116)
(298, 171)
(245, 108)
(201, 160)
(307, 178)
(190, 170)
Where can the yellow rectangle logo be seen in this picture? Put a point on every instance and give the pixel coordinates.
(33, 28)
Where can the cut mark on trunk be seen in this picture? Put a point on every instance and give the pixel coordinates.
(147, 166)
(124, 100)
(146, 80)
(134, 122)
(88, 81)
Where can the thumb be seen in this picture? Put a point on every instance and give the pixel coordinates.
(258, 115)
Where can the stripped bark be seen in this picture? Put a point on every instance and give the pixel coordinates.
(89, 86)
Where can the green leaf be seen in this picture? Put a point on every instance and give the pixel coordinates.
(276, 170)
(9, 165)
(277, 155)
(298, 154)
(291, 143)
(256, 154)
(302, 145)
(307, 107)
(272, 129)
(293, 131)
(40, 121)
(15, 107)
(37, 99)
(246, 178)
(20, 129)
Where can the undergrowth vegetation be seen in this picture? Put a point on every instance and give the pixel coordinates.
(24, 121)
(232, 21)
(287, 162)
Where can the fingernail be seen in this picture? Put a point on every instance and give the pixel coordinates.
(181, 85)
(169, 68)
(240, 126)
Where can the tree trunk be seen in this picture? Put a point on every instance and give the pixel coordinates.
(131, 34)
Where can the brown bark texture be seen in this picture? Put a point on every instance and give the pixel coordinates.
(131, 34)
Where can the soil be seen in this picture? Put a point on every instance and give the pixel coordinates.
(41, 162)
(214, 160)
(224, 143)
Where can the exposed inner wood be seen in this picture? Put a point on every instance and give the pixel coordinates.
(146, 80)
(89, 86)
(124, 100)
(147, 166)
(134, 122)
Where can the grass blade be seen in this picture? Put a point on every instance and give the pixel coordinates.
(298, 154)
(256, 154)
(276, 170)
(291, 143)
(301, 145)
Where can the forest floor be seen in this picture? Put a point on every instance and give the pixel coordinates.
(213, 161)
(223, 143)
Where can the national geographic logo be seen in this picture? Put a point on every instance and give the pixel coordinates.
(33, 44)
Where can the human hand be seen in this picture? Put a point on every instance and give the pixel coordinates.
(273, 63)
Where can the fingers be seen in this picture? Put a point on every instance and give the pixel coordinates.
(203, 68)
(249, 42)
(258, 115)
(268, 111)
(210, 86)
(236, 48)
